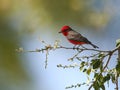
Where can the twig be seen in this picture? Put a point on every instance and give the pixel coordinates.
(83, 49)
(117, 88)
(71, 59)
(110, 55)
(46, 61)
(90, 87)
(117, 76)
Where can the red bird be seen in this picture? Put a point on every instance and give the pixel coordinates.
(75, 37)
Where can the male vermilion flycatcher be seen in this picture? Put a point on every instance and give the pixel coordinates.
(75, 37)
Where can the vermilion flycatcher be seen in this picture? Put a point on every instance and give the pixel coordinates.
(75, 37)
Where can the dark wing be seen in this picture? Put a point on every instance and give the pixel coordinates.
(73, 35)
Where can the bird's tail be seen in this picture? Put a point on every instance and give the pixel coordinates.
(94, 45)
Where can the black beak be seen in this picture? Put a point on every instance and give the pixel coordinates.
(60, 32)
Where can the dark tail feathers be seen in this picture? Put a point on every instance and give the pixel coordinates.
(94, 45)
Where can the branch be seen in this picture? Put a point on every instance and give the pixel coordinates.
(117, 76)
(83, 49)
(99, 54)
(110, 53)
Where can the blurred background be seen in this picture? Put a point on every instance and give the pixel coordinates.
(23, 23)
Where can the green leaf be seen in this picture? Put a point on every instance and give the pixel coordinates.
(81, 68)
(118, 43)
(100, 79)
(113, 78)
(82, 65)
(96, 75)
(101, 66)
(118, 67)
(99, 82)
(96, 63)
(101, 55)
(102, 87)
(96, 86)
(106, 78)
(85, 70)
(88, 71)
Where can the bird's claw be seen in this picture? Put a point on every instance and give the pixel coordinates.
(73, 47)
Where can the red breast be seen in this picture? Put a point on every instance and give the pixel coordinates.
(76, 42)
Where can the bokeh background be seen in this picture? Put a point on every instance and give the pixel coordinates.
(23, 23)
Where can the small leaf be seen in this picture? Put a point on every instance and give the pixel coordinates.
(96, 63)
(78, 85)
(81, 68)
(96, 75)
(118, 67)
(82, 65)
(100, 79)
(96, 86)
(113, 78)
(88, 71)
(106, 78)
(103, 87)
(85, 70)
(101, 55)
(101, 68)
(118, 43)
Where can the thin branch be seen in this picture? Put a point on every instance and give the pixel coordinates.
(118, 53)
(46, 61)
(90, 87)
(71, 59)
(117, 76)
(107, 62)
(117, 88)
(83, 49)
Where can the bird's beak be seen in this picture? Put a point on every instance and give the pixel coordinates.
(60, 32)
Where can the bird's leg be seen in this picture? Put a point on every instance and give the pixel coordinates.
(83, 47)
(74, 47)
(78, 47)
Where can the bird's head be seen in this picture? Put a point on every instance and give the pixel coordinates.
(65, 30)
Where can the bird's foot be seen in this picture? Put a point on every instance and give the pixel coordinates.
(74, 47)
(78, 48)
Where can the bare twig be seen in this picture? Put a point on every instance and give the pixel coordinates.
(90, 87)
(71, 59)
(46, 61)
(84, 49)
(110, 55)
(117, 76)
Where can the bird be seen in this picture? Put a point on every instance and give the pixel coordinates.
(74, 37)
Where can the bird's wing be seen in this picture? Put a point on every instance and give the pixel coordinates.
(77, 37)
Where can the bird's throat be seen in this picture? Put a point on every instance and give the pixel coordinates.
(65, 33)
